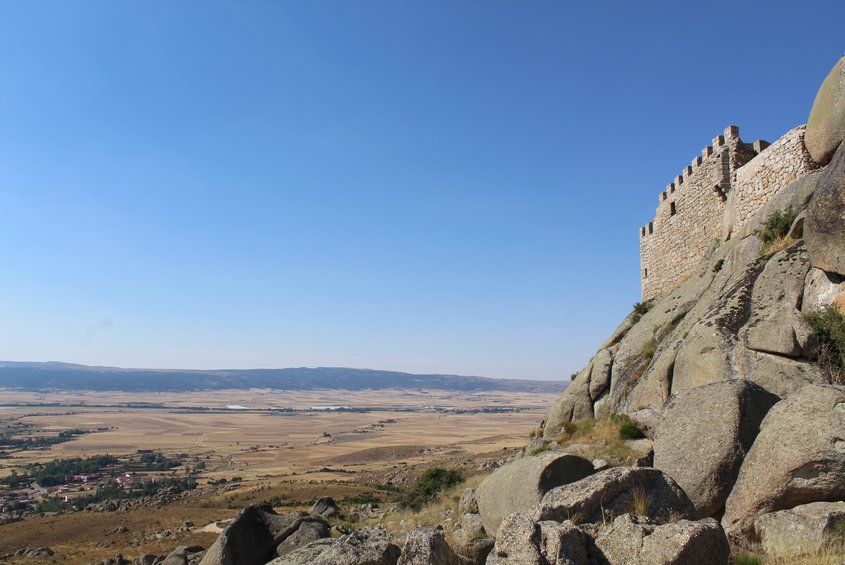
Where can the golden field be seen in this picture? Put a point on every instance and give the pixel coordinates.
(298, 456)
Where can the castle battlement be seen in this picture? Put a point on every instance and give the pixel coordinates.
(717, 192)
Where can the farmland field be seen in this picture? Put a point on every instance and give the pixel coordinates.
(295, 445)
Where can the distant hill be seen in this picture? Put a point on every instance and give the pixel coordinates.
(68, 376)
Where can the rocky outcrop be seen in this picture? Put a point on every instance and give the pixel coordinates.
(427, 546)
(809, 528)
(826, 126)
(798, 457)
(253, 536)
(632, 541)
(325, 507)
(520, 484)
(311, 529)
(368, 546)
(305, 555)
(476, 550)
(469, 501)
(824, 227)
(703, 436)
(614, 492)
(182, 555)
(521, 541)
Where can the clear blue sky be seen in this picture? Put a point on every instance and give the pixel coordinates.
(430, 186)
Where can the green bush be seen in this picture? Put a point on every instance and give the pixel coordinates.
(777, 226)
(541, 449)
(747, 559)
(429, 485)
(640, 309)
(718, 266)
(627, 429)
(828, 325)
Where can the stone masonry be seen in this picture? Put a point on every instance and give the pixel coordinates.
(764, 176)
(713, 197)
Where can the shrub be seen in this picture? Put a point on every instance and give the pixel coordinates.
(640, 309)
(627, 429)
(718, 266)
(776, 227)
(828, 325)
(429, 486)
(543, 448)
(649, 348)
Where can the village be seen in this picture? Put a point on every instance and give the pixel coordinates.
(93, 483)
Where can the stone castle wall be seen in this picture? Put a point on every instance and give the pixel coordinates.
(690, 214)
(765, 175)
(714, 196)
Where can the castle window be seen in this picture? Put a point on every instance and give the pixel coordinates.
(645, 273)
(650, 228)
(672, 210)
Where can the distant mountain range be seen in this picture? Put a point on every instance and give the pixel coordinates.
(69, 376)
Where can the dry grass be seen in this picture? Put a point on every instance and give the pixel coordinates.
(824, 557)
(778, 245)
(640, 502)
(597, 439)
(441, 512)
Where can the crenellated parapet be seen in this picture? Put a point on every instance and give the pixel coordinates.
(716, 195)
(690, 211)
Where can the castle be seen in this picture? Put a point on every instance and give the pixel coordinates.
(712, 198)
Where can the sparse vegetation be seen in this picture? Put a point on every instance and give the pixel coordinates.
(362, 498)
(746, 558)
(541, 449)
(640, 309)
(775, 230)
(650, 347)
(640, 501)
(718, 266)
(598, 439)
(627, 429)
(429, 485)
(828, 325)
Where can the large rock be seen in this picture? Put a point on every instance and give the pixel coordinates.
(311, 529)
(472, 525)
(808, 528)
(475, 551)
(614, 492)
(253, 536)
(632, 541)
(182, 555)
(305, 555)
(326, 507)
(820, 289)
(469, 501)
(824, 227)
(427, 546)
(704, 435)
(826, 126)
(600, 373)
(573, 404)
(368, 546)
(520, 484)
(798, 457)
(521, 541)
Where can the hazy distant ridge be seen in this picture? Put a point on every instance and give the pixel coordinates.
(68, 376)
